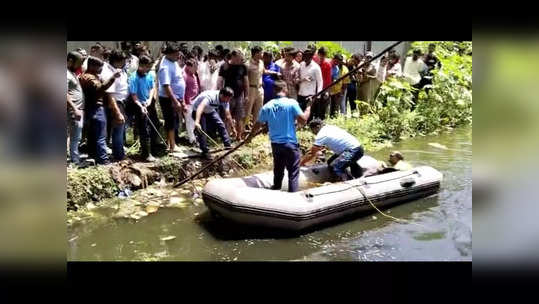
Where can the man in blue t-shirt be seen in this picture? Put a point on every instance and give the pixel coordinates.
(346, 147)
(280, 114)
(141, 89)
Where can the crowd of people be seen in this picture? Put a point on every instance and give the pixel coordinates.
(220, 92)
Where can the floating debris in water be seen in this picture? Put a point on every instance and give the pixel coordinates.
(374, 217)
(139, 214)
(168, 238)
(176, 200)
(437, 145)
(151, 209)
(93, 245)
(124, 193)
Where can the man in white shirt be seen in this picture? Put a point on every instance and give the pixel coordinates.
(118, 92)
(346, 147)
(310, 76)
(413, 67)
(213, 68)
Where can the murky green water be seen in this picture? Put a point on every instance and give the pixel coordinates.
(444, 231)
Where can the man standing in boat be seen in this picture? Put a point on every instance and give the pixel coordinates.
(346, 147)
(280, 114)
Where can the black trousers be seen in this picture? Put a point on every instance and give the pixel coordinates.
(149, 139)
(351, 95)
(214, 120)
(287, 156)
(320, 108)
(417, 88)
(335, 105)
(302, 102)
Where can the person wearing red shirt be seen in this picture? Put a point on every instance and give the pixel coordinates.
(325, 66)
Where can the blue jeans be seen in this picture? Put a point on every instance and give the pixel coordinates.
(348, 158)
(214, 119)
(118, 132)
(75, 135)
(286, 155)
(97, 135)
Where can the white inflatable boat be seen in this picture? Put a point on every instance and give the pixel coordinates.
(248, 200)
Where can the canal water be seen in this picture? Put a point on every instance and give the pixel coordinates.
(438, 228)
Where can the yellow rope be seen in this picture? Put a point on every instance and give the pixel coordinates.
(389, 216)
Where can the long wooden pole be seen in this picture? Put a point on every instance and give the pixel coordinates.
(185, 180)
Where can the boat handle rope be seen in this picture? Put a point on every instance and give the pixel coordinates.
(359, 188)
(310, 195)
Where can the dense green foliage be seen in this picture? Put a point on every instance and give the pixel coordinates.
(91, 184)
(447, 105)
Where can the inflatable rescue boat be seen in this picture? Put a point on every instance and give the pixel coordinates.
(249, 200)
